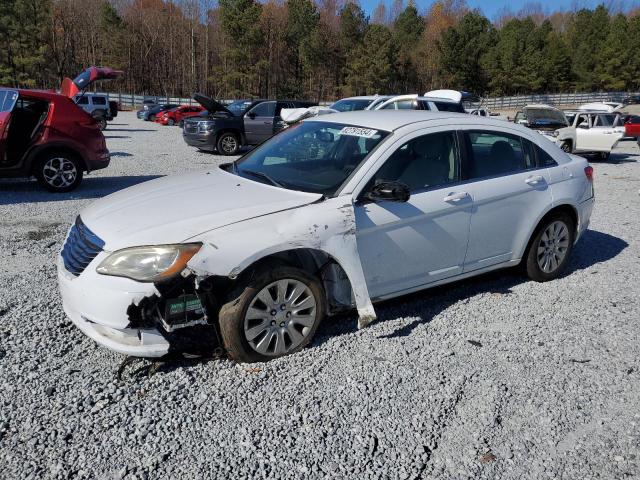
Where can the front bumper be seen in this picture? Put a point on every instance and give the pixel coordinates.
(203, 141)
(97, 305)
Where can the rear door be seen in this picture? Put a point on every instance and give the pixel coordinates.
(595, 133)
(259, 122)
(8, 99)
(509, 194)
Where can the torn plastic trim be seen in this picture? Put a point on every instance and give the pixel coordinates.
(327, 226)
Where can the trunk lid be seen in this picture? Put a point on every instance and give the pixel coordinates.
(70, 88)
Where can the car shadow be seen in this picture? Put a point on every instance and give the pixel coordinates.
(614, 158)
(593, 248)
(116, 136)
(130, 130)
(26, 191)
(120, 154)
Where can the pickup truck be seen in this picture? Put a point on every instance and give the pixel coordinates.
(243, 122)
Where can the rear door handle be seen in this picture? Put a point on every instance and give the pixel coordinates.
(455, 197)
(534, 180)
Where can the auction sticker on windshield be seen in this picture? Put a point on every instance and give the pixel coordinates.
(358, 132)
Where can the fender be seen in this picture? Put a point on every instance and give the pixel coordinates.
(328, 226)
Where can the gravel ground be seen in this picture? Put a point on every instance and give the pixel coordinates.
(495, 377)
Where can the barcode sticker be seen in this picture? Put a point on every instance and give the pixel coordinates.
(358, 132)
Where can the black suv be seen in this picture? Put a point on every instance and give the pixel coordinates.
(243, 122)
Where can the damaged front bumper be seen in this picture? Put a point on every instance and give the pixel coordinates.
(107, 310)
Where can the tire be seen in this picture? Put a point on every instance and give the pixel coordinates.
(550, 248)
(604, 156)
(102, 122)
(181, 123)
(228, 144)
(171, 122)
(566, 147)
(58, 171)
(151, 118)
(272, 330)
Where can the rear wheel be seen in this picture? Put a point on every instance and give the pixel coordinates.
(275, 313)
(181, 123)
(58, 171)
(549, 251)
(228, 144)
(604, 156)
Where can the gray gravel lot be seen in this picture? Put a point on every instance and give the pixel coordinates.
(495, 377)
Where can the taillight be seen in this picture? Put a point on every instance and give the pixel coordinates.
(588, 171)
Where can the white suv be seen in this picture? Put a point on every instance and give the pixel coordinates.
(340, 212)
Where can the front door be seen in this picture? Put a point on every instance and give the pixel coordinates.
(259, 122)
(406, 245)
(509, 194)
(8, 99)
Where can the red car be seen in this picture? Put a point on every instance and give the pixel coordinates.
(632, 127)
(176, 116)
(46, 135)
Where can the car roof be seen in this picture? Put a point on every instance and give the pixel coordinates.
(390, 120)
(364, 97)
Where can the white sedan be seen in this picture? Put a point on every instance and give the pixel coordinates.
(336, 212)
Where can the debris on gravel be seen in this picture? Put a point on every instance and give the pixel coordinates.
(491, 378)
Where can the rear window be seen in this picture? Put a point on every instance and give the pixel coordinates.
(449, 107)
(8, 99)
(496, 153)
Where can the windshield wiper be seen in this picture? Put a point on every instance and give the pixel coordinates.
(255, 173)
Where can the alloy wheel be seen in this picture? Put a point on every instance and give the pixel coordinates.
(59, 172)
(280, 317)
(553, 246)
(229, 144)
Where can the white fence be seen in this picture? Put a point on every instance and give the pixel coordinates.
(496, 103)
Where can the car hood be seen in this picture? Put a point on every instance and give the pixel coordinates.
(176, 208)
(210, 104)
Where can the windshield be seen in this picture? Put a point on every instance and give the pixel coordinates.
(545, 116)
(314, 157)
(349, 105)
(238, 107)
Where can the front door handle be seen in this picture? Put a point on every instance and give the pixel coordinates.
(534, 180)
(455, 197)
(267, 123)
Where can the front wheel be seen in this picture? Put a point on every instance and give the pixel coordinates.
(549, 251)
(171, 122)
(58, 171)
(275, 313)
(566, 147)
(228, 144)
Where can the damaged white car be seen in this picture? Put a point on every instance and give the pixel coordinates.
(336, 212)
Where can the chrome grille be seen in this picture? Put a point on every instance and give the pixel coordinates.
(81, 247)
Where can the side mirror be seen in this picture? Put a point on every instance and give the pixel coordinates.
(388, 191)
(251, 115)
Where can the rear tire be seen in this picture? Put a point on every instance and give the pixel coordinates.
(228, 144)
(604, 156)
(58, 171)
(550, 248)
(257, 330)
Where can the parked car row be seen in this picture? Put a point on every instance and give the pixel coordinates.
(592, 128)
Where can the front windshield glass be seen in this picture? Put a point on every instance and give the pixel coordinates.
(238, 107)
(314, 157)
(350, 105)
(546, 116)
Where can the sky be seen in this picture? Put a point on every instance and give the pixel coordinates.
(491, 7)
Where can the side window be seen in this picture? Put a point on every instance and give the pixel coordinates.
(83, 101)
(496, 153)
(399, 105)
(583, 120)
(99, 100)
(449, 107)
(264, 109)
(544, 159)
(424, 162)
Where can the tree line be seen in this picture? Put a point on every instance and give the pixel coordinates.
(322, 49)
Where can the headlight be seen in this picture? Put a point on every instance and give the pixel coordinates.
(556, 133)
(207, 126)
(149, 264)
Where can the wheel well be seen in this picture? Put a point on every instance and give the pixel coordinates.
(229, 130)
(63, 149)
(565, 208)
(335, 281)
